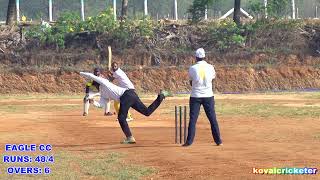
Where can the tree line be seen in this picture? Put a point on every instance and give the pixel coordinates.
(158, 8)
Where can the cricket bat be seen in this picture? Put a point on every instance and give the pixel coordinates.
(108, 104)
(109, 57)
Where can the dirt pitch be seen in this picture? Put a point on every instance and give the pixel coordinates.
(253, 137)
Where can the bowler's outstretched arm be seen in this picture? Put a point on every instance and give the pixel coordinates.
(97, 79)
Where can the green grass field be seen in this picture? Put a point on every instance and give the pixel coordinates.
(224, 107)
(98, 164)
(84, 165)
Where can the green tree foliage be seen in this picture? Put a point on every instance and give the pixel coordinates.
(256, 8)
(226, 34)
(275, 8)
(278, 8)
(198, 7)
(70, 23)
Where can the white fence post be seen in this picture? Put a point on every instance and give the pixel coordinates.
(175, 10)
(206, 13)
(145, 7)
(82, 10)
(115, 9)
(50, 11)
(18, 10)
(293, 10)
(316, 12)
(266, 8)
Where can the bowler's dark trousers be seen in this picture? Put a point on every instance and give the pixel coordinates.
(131, 99)
(208, 105)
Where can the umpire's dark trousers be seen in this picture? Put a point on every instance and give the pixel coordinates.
(131, 99)
(208, 105)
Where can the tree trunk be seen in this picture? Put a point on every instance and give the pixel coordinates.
(11, 13)
(236, 13)
(124, 11)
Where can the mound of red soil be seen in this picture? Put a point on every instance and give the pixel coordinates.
(229, 79)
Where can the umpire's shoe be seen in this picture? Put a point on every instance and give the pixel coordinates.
(129, 140)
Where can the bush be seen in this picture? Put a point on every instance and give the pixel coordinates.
(66, 23)
(71, 23)
(103, 22)
(226, 34)
(146, 27)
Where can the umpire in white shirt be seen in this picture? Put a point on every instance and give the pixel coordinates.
(201, 75)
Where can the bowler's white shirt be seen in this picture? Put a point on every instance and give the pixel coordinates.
(107, 89)
(201, 74)
(122, 79)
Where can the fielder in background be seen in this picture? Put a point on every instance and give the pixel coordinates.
(123, 81)
(92, 91)
(201, 75)
(127, 98)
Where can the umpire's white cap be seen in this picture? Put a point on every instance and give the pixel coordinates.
(200, 53)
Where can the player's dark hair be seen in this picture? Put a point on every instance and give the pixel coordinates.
(97, 70)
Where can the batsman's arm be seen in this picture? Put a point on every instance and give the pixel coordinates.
(97, 79)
